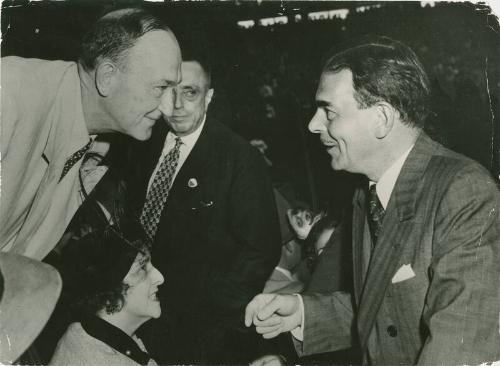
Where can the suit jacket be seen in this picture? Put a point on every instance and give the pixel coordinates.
(42, 126)
(442, 220)
(216, 245)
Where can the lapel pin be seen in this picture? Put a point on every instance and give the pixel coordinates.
(192, 182)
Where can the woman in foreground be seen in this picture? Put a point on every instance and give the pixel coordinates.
(112, 284)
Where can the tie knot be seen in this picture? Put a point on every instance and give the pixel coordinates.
(375, 206)
(178, 142)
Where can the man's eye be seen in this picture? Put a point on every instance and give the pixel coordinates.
(189, 93)
(330, 115)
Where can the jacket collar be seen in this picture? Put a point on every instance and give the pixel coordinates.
(115, 338)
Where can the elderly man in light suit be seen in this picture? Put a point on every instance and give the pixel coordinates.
(122, 83)
(426, 229)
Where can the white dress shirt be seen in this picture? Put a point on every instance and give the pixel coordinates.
(187, 145)
(385, 186)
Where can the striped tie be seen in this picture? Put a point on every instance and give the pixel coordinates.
(158, 192)
(376, 214)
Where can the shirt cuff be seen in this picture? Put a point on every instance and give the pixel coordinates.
(298, 333)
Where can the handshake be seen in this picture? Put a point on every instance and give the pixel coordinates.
(273, 314)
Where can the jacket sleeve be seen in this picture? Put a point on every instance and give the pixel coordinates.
(328, 323)
(463, 302)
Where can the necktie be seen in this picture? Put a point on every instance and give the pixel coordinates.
(74, 158)
(158, 192)
(376, 214)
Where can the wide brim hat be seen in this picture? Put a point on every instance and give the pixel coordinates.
(28, 294)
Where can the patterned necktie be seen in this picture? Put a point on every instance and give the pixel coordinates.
(158, 192)
(376, 214)
(74, 158)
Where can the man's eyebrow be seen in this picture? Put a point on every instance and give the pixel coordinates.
(322, 103)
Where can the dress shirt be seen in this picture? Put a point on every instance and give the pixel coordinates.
(387, 181)
(385, 186)
(187, 145)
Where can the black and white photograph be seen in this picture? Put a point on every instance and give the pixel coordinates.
(249, 182)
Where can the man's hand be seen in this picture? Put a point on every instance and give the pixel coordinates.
(269, 360)
(273, 314)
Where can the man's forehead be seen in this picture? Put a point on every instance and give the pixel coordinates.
(334, 84)
(156, 49)
(193, 74)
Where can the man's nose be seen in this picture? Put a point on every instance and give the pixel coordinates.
(177, 99)
(316, 124)
(167, 102)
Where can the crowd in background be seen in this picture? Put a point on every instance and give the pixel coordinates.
(265, 79)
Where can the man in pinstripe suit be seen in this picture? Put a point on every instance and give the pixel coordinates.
(426, 229)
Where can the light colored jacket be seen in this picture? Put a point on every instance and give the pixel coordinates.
(42, 124)
(78, 348)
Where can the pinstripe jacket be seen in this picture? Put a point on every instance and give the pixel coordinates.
(442, 222)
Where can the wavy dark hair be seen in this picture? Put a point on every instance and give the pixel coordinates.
(385, 70)
(95, 265)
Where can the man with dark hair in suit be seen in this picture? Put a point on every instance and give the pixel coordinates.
(209, 206)
(426, 230)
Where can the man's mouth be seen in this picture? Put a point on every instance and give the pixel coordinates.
(328, 144)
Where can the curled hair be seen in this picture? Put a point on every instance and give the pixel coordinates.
(385, 70)
(95, 265)
(114, 34)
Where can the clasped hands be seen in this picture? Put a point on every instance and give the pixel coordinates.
(273, 314)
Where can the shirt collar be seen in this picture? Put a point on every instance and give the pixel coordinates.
(115, 338)
(188, 141)
(387, 181)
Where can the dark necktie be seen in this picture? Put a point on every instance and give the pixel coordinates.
(158, 192)
(74, 158)
(376, 214)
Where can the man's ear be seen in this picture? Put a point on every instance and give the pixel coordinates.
(386, 115)
(208, 97)
(105, 77)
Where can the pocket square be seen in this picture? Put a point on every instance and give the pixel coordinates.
(403, 274)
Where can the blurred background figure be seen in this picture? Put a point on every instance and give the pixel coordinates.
(28, 294)
(302, 219)
(111, 288)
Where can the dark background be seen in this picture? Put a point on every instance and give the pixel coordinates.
(265, 77)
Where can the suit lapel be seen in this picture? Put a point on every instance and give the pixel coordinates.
(358, 227)
(196, 162)
(395, 234)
